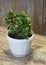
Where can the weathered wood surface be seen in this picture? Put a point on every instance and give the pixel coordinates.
(37, 57)
(5, 5)
(44, 17)
(34, 8)
(38, 10)
(18, 6)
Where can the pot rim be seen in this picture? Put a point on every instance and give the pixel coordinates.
(20, 39)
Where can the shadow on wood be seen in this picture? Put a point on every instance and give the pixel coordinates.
(21, 59)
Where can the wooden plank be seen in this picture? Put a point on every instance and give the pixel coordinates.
(1, 13)
(38, 16)
(30, 10)
(33, 8)
(44, 17)
(5, 5)
(20, 5)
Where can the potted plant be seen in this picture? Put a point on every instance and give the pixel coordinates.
(19, 33)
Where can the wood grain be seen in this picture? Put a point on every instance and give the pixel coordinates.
(44, 17)
(37, 57)
(34, 8)
(18, 6)
(38, 9)
(5, 5)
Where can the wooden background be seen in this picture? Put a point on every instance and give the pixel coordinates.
(34, 8)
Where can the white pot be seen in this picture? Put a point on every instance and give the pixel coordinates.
(19, 47)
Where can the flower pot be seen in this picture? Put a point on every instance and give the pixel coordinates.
(19, 47)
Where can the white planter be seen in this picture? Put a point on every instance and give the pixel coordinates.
(19, 47)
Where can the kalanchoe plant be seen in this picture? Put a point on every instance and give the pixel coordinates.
(19, 25)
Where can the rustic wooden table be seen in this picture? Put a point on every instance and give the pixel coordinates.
(37, 57)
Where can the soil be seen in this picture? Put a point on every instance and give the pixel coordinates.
(16, 36)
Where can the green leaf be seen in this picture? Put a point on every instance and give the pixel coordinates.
(19, 23)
